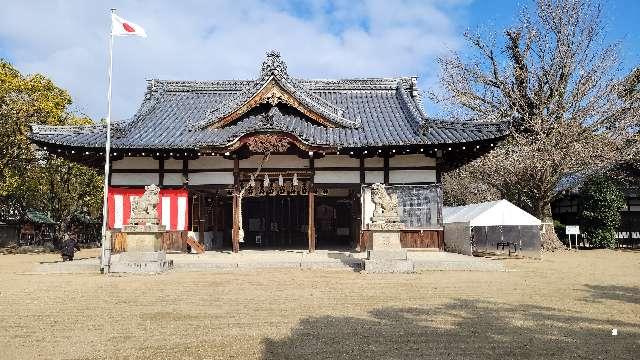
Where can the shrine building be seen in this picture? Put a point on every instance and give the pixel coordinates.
(279, 161)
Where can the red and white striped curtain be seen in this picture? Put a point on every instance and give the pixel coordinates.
(173, 208)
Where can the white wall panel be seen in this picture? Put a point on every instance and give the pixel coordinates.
(118, 211)
(172, 179)
(182, 211)
(166, 211)
(135, 163)
(337, 177)
(210, 162)
(337, 161)
(367, 206)
(211, 178)
(411, 160)
(411, 176)
(134, 179)
(173, 164)
(371, 177)
(374, 162)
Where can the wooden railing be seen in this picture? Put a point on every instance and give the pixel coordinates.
(411, 239)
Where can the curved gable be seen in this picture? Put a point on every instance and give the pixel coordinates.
(275, 86)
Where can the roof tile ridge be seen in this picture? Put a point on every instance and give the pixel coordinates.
(58, 129)
(202, 85)
(349, 84)
(155, 90)
(407, 102)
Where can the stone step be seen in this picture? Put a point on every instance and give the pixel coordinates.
(388, 266)
(149, 267)
(387, 254)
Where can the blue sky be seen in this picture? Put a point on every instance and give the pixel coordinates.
(226, 39)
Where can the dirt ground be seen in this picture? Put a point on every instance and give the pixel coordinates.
(561, 307)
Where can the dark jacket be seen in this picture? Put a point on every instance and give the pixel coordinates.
(69, 247)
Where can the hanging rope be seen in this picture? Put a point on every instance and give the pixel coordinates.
(244, 188)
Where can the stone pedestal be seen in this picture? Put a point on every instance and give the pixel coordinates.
(386, 255)
(144, 241)
(141, 262)
(144, 252)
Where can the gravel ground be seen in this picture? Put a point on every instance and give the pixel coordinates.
(561, 307)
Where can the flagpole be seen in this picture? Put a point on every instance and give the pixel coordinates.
(106, 243)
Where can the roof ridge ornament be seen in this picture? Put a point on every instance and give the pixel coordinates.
(273, 65)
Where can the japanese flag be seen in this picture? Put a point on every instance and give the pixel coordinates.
(122, 27)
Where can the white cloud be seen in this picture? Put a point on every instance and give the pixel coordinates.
(203, 40)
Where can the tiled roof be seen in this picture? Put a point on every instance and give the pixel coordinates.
(366, 112)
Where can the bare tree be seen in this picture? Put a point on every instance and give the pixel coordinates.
(560, 85)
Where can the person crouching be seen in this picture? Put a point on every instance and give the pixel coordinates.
(69, 247)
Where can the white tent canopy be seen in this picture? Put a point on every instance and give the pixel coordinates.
(493, 213)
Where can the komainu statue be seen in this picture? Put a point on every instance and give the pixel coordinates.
(144, 210)
(386, 205)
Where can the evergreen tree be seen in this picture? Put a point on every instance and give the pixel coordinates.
(600, 216)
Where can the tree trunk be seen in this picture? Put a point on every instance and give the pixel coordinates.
(549, 238)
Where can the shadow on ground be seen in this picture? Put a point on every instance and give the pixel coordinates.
(599, 293)
(347, 260)
(76, 259)
(462, 329)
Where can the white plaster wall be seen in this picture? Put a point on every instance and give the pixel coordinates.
(173, 164)
(411, 176)
(210, 178)
(337, 161)
(371, 177)
(275, 161)
(134, 179)
(367, 207)
(337, 177)
(172, 179)
(411, 160)
(135, 163)
(210, 162)
(374, 162)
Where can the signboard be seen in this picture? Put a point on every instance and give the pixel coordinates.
(572, 230)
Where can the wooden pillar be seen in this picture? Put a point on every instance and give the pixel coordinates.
(356, 216)
(362, 177)
(311, 229)
(161, 172)
(312, 225)
(110, 172)
(386, 169)
(190, 210)
(185, 172)
(202, 213)
(235, 232)
(439, 163)
(236, 173)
